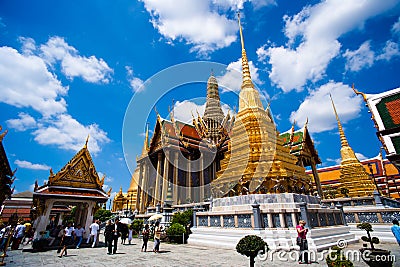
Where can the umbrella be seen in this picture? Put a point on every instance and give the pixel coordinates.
(125, 221)
(155, 217)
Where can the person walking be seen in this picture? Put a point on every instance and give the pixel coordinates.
(109, 235)
(396, 230)
(145, 235)
(116, 234)
(94, 228)
(130, 235)
(302, 241)
(67, 239)
(157, 237)
(79, 232)
(19, 233)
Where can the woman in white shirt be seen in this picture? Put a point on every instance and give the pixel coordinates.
(67, 239)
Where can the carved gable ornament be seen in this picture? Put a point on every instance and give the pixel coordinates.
(78, 172)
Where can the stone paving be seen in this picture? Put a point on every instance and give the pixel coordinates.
(170, 255)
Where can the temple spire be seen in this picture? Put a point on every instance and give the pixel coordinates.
(245, 64)
(87, 140)
(249, 96)
(343, 139)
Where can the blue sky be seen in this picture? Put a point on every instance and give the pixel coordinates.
(71, 68)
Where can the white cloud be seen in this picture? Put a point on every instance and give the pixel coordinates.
(193, 21)
(390, 50)
(73, 65)
(318, 109)
(26, 82)
(183, 110)
(361, 58)
(238, 4)
(360, 156)
(232, 79)
(25, 122)
(67, 133)
(313, 39)
(135, 82)
(396, 28)
(28, 165)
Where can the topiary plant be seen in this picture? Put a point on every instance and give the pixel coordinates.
(368, 228)
(175, 233)
(337, 259)
(250, 246)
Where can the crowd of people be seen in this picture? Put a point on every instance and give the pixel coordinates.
(72, 235)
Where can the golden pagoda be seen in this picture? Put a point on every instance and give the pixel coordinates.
(353, 176)
(256, 160)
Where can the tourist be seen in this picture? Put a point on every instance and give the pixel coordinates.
(94, 228)
(116, 234)
(79, 231)
(396, 230)
(145, 235)
(302, 241)
(67, 239)
(124, 233)
(5, 233)
(108, 234)
(46, 236)
(157, 237)
(19, 233)
(130, 235)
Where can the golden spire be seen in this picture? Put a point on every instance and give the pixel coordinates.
(343, 139)
(245, 65)
(146, 139)
(87, 140)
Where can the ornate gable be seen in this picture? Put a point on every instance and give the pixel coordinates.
(78, 172)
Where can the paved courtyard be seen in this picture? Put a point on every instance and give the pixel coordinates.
(171, 255)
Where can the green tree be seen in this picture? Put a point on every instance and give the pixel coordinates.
(102, 215)
(183, 218)
(137, 225)
(250, 246)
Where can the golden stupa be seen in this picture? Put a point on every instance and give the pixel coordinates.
(256, 160)
(353, 176)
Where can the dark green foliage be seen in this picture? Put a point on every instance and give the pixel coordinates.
(184, 218)
(250, 246)
(102, 215)
(137, 225)
(368, 228)
(337, 259)
(175, 233)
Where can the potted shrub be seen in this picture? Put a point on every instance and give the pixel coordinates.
(175, 233)
(337, 259)
(372, 256)
(250, 246)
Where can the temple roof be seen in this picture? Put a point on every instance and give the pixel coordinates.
(78, 178)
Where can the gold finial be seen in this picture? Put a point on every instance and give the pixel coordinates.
(306, 123)
(343, 139)
(109, 192)
(87, 140)
(241, 32)
(247, 82)
(359, 93)
(3, 133)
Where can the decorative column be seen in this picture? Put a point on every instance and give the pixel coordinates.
(189, 179)
(282, 219)
(256, 215)
(340, 207)
(165, 176)
(304, 214)
(89, 215)
(175, 178)
(316, 178)
(139, 189)
(158, 178)
(43, 220)
(201, 179)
